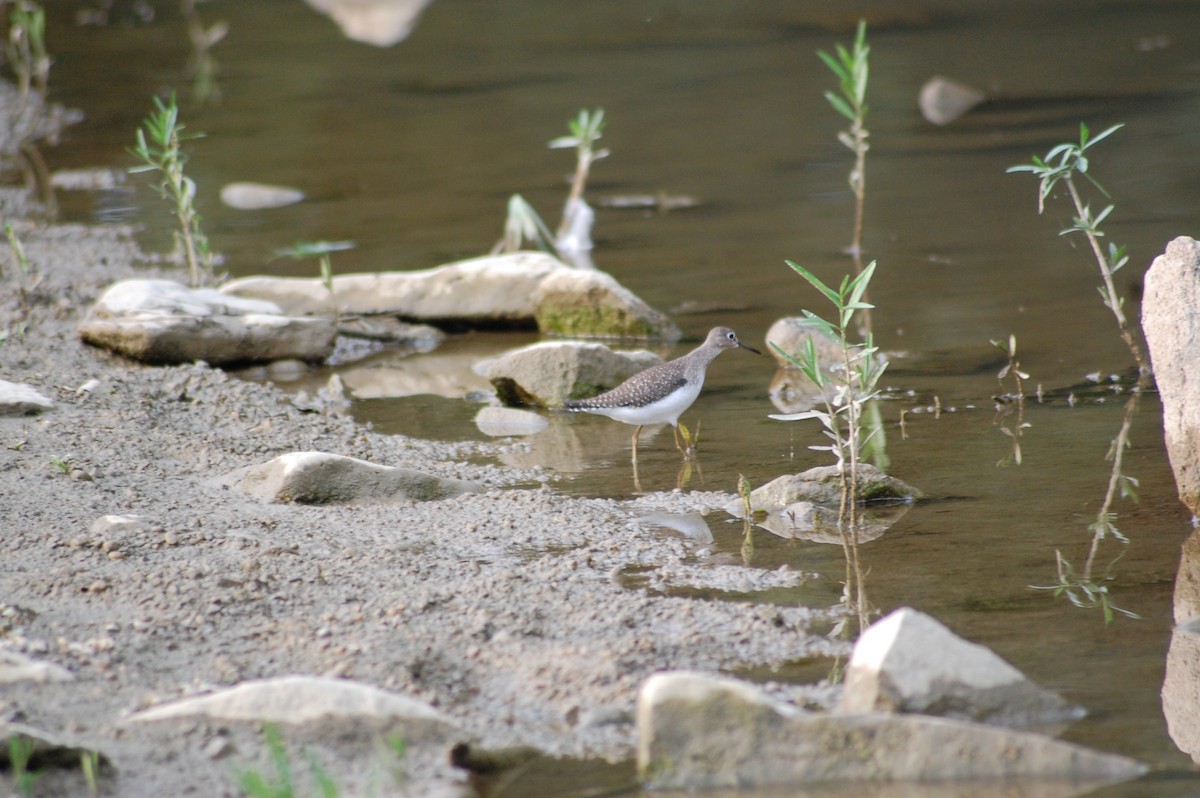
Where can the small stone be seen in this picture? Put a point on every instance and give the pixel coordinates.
(259, 196)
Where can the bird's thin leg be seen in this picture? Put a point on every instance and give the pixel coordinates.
(678, 445)
(637, 483)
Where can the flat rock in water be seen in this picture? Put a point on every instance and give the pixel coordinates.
(259, 196)
(1171, 321)
(697, 731)
(546, 374)
(378, 22)
(164, 322)
(19, 399)
(320, 478)
(521, 289)
(822, 485)
(301, 700)
(909, 662)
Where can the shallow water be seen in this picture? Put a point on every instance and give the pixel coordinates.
(412, 151)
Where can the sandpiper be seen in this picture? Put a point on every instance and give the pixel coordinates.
(661, 393)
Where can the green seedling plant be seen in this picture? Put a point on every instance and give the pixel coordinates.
(322, 250)
(26, 48)
(27, 277)
(844, 396)
(89, 763)
(20, 753)
(586, 129)
(852, 70)
(61, 464)
(1063, 164)
(281, 783)
(523, 225)
(160, 148)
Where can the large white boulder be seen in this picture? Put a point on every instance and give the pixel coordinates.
(547, 373)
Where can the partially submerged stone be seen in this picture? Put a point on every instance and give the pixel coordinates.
(378, 22)
(823, 485)
(19, 399)
(592, 304)
(909, 662)
(522, 289)
(164, 322)
(247, 196)
(546, 374)
(792, 334)
(320, 478)
(1171, 322)
(299, 700)
(697, 731)
(943, 100)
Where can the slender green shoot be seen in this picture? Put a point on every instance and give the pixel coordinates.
(160, 148)
(852, 70)
(523, 225)
(20, 754)
(62, 465)
(89, 763)
(27, 278)
(322, 251)
(281, 783)
(1062, 164)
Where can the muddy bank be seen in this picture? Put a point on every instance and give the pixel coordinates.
(503, 609)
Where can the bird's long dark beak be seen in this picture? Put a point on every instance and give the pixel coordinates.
(752, 349)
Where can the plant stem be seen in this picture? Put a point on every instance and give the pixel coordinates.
(1110, 290)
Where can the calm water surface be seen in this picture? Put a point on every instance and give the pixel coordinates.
(412, 152)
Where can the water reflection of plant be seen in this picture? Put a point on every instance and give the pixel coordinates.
(202, 65)
(1085, 587)
(1061, 164)
(1007, 403)
(844, 396)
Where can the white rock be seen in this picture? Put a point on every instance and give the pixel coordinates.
(160, 321)
(1171, 321)
(15, 667)
(502, 422)
(909, 662)
(300, 700)
(702, 732)
(259, 196)
(320, 478)
(18, 399)
(943, 100)
(378, 22)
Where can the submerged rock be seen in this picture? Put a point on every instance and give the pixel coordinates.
(505, 421)
(548, 373)
(701, 732)
(1171, 322)
(792, 335)
(909, 662)
(320, 478)
(163, 322)
(378, 22)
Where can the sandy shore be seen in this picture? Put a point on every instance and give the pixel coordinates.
(503, 609)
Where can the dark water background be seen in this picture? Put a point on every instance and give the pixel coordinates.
(412, 151)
